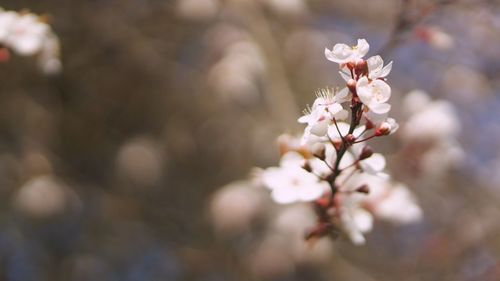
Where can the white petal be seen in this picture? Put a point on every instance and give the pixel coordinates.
(339, 54)
(381, 90)
(320, 128)
(386, 70)
(363, 220)
(345, 76)
(374, 163)
(343, 95)
(334, 108)
(333, 132)
(363, 47)
(380, 108)
(312, 192)
(283, 195)
(375, 64)
(364, 91)
(304, 119)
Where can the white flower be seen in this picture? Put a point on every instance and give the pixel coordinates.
(389, 201)
(376, 68)
(342, 53)
(290, 183)
(387, 127)
(374, 94)
(437, 120)
(355, 220)
(398, 206)
(374, 164)
(7, 19)
(326, 108)
(27, 34)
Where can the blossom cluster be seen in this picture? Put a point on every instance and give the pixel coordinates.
(331, 166)
(27, 34)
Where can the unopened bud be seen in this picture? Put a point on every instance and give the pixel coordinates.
(363, 189)
(367, 152)
(350, 138)
(318, 150)
(361, 67)
(351, 85)
(306, 166)
(383, 129)
(337, 143)
(369, 125)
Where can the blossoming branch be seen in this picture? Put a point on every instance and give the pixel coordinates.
(332, 166)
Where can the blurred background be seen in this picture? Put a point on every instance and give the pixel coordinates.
(112, 169)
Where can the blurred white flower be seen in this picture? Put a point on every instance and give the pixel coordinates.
(44, 197)
(441, 157)
(355, 220)
(398, 206)
(386, 200)
(292, 8)
(436, 120)
(374, 165)
(197, 10)
(7, 19)
(27, 34)
(435, 37)
(48, 58)
(291, 183)
(342, 53)
(415, 101)
(374, 94)
(235, 206)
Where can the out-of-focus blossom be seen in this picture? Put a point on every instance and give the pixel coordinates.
(235, 77)
(44, 197)
(435, 37)
(235, 207)
(290, 223)
(197, 10)
(288, 8)
(342, 53)
(291, 183)
(28, 34)
(422, 125)
(441, 157)
(139, 163)
(387, 200)
(398, 206)
(355, 220)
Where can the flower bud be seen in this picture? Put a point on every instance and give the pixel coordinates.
(367, 152)
(306, 166)
(351, 85)
(337, 143)
(350, 138)
(361, 67)
(363, 189)
(383, 129)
